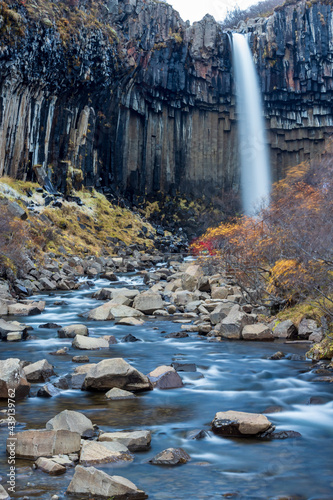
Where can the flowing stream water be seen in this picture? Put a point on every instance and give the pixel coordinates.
(253, 150)
(230, 375)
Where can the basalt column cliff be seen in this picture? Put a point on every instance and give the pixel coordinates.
(126, 96)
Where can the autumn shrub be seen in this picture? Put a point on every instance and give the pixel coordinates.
(285, 255)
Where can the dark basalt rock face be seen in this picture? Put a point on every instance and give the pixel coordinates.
(140, 102)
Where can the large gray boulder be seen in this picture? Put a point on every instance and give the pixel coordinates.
(43, 443)
(112, 310)
(308, 329)
(71, 331)
(165, 377)
(133, 440)
(12, 378)
(258, 331)
(285, 330)
(116, 372)
(94, 452)
(73, 421)
(90, 482)
(7, 327)
(90, 343)
(148, 302)
(39, 372)
(28, 309)
(238, 423)
(232, 326)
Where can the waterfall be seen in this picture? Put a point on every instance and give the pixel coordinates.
(253, 150)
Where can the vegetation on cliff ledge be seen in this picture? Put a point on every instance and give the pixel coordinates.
(67, 17)
(95, 227)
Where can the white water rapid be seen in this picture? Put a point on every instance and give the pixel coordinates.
(253, 150)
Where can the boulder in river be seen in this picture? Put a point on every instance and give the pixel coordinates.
(48, 391)
(50, 326)
(196, 434)
(71, 331)
(28, 309)
(240, 424)
(116, 394)
(38, 372)
(90, 343)
(50, 467)
(130, 322)
(133, 440)
(148, 302)
(13, 382)
(44, 443)
(80, 359)
(90, 482)
(118, 373)
(73, 421)
(285, 435)
(277, 355)
(171, 456)
(7, 327)
(130, 338)
(184, 367)
(165, 377)
(258, 331)
(95, 452)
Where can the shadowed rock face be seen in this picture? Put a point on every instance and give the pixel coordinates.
(151, 107)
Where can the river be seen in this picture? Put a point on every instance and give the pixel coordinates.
(231, 375)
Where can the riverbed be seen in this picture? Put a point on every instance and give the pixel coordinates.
(231, 375)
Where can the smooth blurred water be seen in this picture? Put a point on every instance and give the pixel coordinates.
(230, 376)
(253, 149)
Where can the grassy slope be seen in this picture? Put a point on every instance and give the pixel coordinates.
(92, 228)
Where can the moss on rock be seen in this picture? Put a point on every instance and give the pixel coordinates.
(322, 350)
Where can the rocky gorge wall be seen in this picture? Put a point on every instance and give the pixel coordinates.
(125, 96)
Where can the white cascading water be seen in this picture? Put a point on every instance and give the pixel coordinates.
(253, 150)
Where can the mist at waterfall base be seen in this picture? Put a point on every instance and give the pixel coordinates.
(253, 150)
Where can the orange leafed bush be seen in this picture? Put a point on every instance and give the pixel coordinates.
(286, 253)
